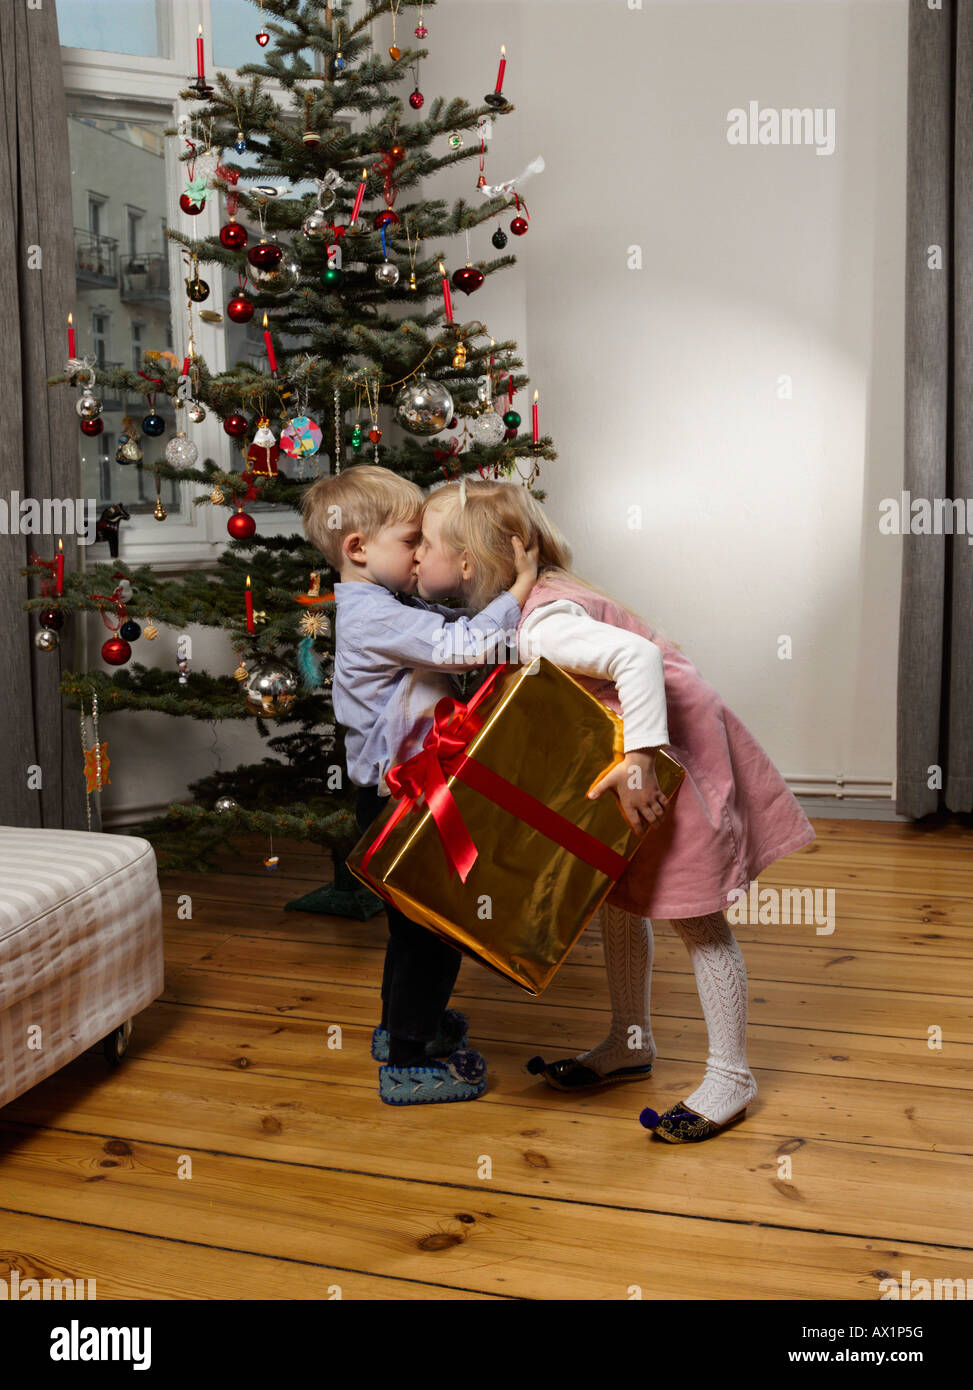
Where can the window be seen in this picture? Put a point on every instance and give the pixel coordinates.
(113, 26)
(125, 63)
(99, 338)
(135, 218)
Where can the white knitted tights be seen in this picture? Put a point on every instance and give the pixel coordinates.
(629, 948)
(721, 978)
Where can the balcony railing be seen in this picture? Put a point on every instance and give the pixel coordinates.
(95, 258)
(145, 278)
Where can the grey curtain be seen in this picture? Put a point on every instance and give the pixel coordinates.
(39, 455)
(935, 677)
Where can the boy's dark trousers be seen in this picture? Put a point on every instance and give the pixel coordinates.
(420, 970)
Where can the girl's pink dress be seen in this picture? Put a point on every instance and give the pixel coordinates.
(734, 813)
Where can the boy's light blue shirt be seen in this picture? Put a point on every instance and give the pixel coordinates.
(393, 659)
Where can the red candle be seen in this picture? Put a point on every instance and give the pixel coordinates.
(359, 196)
(503, 64)
(249, 598)
(446, 299)
(60, 567)
(185, 366)
(270, 347)
(535, 418)
(199, 52)
(71, 348)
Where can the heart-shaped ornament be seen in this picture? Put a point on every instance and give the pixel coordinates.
(263, 38)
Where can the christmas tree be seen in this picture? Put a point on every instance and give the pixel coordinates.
(357, 311)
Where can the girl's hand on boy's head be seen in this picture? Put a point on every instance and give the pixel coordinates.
(525, 563)
(635, 782)
(525, 559)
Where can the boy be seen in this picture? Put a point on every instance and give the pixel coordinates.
(393, 656)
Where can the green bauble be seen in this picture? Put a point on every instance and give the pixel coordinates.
(332, 276)
(511, 419)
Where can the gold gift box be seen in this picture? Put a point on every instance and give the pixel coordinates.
(526, 899)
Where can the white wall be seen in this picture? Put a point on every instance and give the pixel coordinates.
(660, 384)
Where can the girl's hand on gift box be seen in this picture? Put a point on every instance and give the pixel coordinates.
(634, 781)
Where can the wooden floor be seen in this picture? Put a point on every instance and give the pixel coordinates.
(302, 1181)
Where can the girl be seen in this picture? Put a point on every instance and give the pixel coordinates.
(734, 814)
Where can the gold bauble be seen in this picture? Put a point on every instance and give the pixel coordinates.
(159, 511)
(150, 631)
(216, 497)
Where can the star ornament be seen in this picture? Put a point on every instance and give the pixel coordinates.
(315, 625)
(91, 769)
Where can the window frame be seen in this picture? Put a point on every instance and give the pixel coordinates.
(128, 87)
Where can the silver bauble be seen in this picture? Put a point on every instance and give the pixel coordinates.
(124, 590)
(181, 452)
(424, 407)
(46, 639)
(488, 428)
(281, 277)
(387, 273)
(196, 413)
(316, 225)
(226, 803)
(270, 689)
(88, 405)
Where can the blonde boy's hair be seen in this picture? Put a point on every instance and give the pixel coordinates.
(362, 498)
(482, 524)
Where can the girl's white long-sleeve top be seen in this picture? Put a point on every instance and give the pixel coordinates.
(564, 633)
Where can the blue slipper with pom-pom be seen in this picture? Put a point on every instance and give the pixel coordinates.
(461, 1077)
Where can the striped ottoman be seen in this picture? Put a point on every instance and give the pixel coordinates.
(80, 945)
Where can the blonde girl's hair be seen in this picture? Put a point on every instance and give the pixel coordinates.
(479, 515)
(363, 498)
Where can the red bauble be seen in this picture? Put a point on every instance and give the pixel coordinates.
(116, 651)
(266, 255)
(416, 99)
(374, 434)
(239, 308)
(467, 279)
(233, 236)
(52, 618)
(518, 226)
(397, 152)
(190, 207)
(235, 425)
(241, 526)
(94, 426)
(263, 38)
(381, 219)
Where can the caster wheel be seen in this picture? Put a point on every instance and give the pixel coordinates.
(116, 1044)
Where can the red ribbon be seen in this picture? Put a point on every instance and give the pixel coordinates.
(443, 754)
